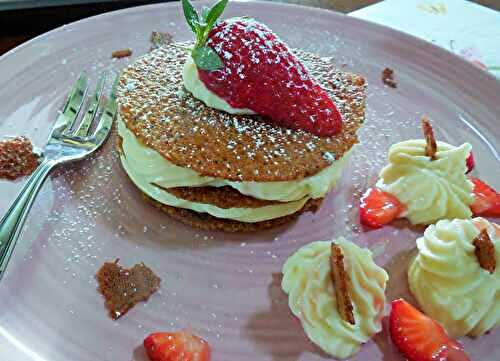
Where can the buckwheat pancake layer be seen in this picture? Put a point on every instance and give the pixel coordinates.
(222, 197)
(164, 117)
(210, 223)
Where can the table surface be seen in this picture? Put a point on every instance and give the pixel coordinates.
(21, 25)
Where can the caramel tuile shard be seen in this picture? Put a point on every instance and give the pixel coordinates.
(485, 251)
(431, 147)
(341, 283)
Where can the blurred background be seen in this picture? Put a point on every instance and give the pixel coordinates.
(21, 20)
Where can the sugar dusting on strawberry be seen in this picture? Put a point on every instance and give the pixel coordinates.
(243, 62)
(260, 73)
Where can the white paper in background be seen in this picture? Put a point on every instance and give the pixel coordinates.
(469, 30)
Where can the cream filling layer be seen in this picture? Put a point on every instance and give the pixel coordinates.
(151, 167)
(146, 167)
(196, 87)
(311, 297)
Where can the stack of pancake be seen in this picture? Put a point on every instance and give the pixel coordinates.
(221, 171)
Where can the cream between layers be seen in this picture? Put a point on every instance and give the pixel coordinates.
(431, 190)
(307, 281)
(196, 87)
(448, 282)
(145, 166)
(151, 167)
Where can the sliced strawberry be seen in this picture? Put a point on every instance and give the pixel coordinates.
(470, 163)
(486, 199)
(420, 338)
(176, 346)
(378, 208)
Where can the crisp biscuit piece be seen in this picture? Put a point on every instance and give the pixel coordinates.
(341, 283)
(122, 288)
(431, 147)
(485, 251)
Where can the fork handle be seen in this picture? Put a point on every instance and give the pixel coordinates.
(13, 221)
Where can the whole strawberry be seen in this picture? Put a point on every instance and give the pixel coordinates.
(243, 62)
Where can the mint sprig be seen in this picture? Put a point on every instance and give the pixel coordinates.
(204, 57)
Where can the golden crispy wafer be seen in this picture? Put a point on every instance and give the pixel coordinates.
(485, 251)
(431, 147)
(341, 284)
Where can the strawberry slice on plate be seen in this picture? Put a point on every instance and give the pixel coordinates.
(243, 62)
(486, 199)
(420, 338)
(176, 346)
(379, 208)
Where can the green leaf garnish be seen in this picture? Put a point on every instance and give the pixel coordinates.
(191, 15)
(206, 58)
(204, 12)
(214, 14)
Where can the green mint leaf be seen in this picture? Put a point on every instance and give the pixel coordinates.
(191, 15)
(206, 58)
(214, 13)
(204, 13)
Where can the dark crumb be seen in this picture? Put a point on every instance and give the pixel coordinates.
(123, 53)
(17, 158)
(388, 78)
(123, 288)
(341, 284)
(159, 39)
(485, 251)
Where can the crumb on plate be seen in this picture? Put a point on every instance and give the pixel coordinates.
(388, 78)
(17, 158)
(122, 53)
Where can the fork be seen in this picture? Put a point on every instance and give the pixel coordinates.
(68, 141)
